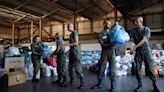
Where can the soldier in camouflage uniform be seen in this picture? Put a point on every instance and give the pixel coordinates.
(61, 60)
(74, 57)
(36, 48)
(141, 37)
(107, 55)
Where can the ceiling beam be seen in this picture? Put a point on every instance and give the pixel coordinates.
(80, 10)
(108, 2)
(37, 10)
(59, 6)
(20, 18)
(18, 7)
(48, 14)
(48, 33)
(145, 14)
(64, 16)
(97, 14)
(55, 19)
(6, 24)
(122, 4)
(16, 12)
(144, 7)
(101, 9)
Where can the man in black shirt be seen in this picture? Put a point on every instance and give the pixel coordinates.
(141, 36)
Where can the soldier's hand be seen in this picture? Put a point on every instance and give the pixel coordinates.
(66, 44)
(115, 46)
(105, 45)
(131, 50)
(63, 46)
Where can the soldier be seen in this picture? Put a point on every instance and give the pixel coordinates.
(107, 55)
(61, 60)
(141, 36)
(74, 57)
(36, 48)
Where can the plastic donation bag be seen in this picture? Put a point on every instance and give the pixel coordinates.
(120, 36)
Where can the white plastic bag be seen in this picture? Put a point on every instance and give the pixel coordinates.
(48, 71)
(12, 51)
(54, 70)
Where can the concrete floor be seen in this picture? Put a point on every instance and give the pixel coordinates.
(124, 84)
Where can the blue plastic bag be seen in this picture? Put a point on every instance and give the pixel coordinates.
(120, 36)
(46, 51)
(27, 59)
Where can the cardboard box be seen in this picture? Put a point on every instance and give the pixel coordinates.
(16, 78)
(14, 62)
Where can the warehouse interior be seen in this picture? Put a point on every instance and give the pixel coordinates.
(22, 20)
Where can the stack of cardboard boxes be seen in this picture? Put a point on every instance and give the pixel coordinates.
(15, 70)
